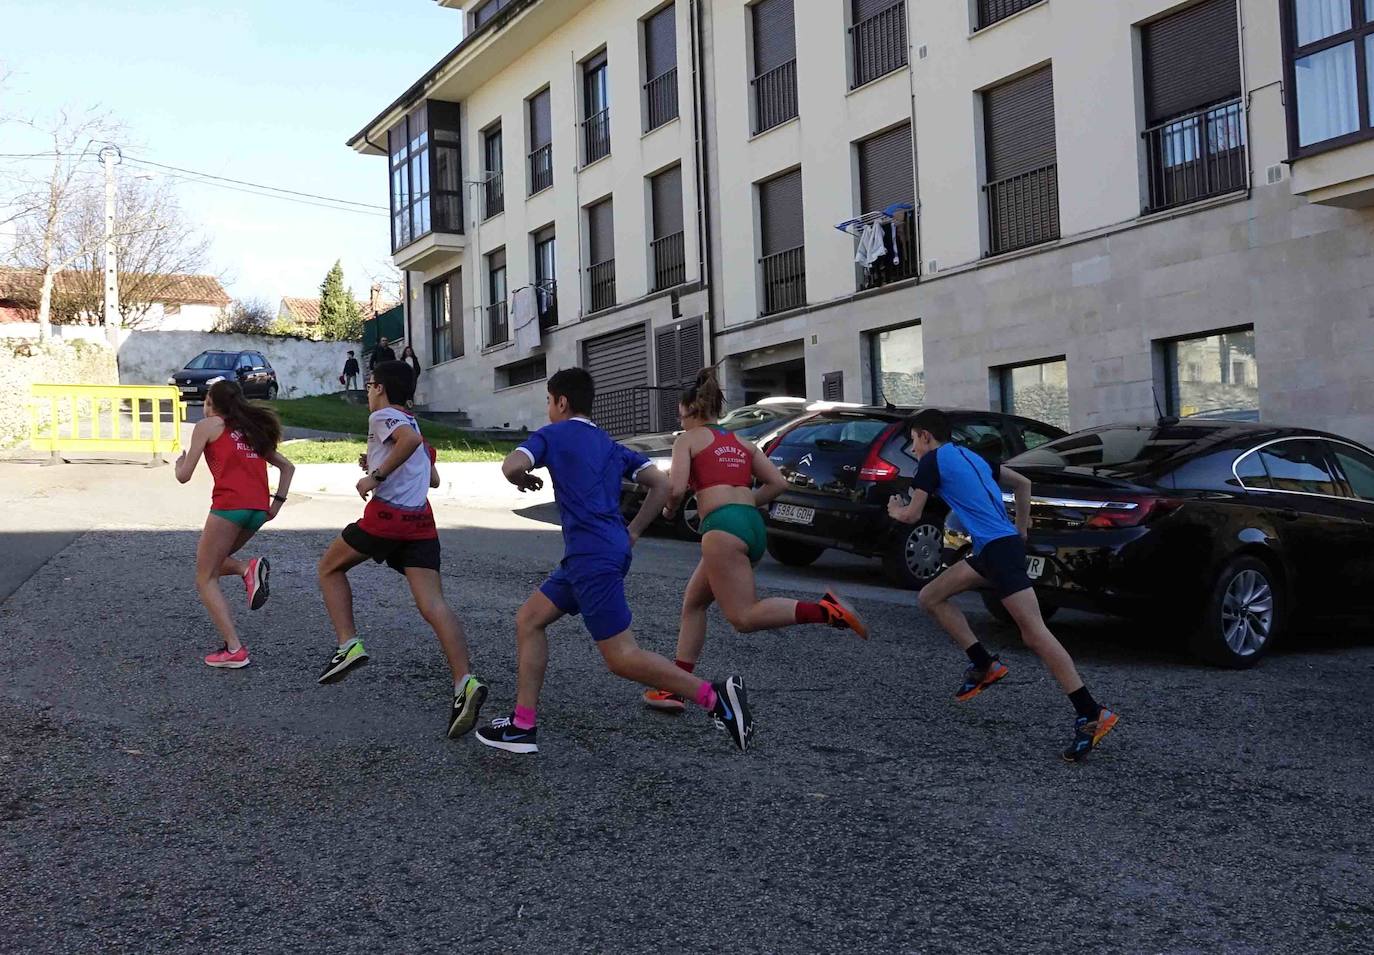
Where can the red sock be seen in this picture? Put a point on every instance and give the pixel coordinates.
(811, 613)
(524, 718)
(706, 696)
(684, 665)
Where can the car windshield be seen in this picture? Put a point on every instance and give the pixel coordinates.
(1115, 452)
(212, 360)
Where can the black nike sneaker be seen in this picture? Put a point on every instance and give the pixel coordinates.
(343, 660)
(731, 711)
(467, 703)
(504, 734)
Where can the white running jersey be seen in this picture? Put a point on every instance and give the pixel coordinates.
(408, 485)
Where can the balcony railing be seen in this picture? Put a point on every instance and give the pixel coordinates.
(546, 297)
(900, 241)
(601, 285)
(494, 195)
(1196, 156)
(498, 324)
(670, 261)
(990, 11)
(784, 280)
(1023, 210)
(775, 96)
(596, 136)
(879, 44)
(541, 168)
(660, 100)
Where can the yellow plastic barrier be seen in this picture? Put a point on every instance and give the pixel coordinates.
(142, 419)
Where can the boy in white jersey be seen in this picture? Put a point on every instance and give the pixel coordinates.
(397, 527)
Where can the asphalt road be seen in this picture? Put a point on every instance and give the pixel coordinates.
(150, 804)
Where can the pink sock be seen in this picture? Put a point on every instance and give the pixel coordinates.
(706, 696)
(524, 718)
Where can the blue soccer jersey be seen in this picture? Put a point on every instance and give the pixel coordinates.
(587, 467)
(968, 485)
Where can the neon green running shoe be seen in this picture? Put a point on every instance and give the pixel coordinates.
(467, 703)
(344, 659)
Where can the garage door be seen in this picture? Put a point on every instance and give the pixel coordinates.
(619, 366)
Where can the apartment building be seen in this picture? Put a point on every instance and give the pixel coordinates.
(1078, 210)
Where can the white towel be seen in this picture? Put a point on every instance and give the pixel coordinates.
(871, 247)
(525, 309)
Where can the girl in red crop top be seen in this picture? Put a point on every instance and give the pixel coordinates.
(722, 470)
(238, 441)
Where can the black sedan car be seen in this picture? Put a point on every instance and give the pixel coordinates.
(842, 465)
(250, 369)
(1233, 530)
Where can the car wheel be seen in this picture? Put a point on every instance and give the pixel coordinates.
(1243, 615)
(793, 553)
(914, 558)
(272, 392)
(994, 607)
(688, 523)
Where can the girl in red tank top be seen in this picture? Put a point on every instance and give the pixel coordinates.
(722, 471)
(238, 441)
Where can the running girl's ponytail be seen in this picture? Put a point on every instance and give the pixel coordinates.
(704, 399)
(258, 425)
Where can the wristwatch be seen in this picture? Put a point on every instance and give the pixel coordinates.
(376, 475)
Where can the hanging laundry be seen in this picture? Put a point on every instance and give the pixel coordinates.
(871, 246)
(525, 317)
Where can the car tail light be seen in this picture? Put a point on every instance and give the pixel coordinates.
(771, 444)
(874, 467)
(1132, 512)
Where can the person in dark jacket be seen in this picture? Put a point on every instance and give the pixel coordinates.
(380, 354)
(350, 373)
(409, 357)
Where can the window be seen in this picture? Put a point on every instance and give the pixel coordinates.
(259, 361)
(1033, 437)
(1358, 468)
(1022, 171)
(446, 318)
(426, 181)
(601, 255)
(660, 63)
(990, 11)
(783, 264)
(1195, 124)
(486, 12)
(775, 63)
(668, 248)
(498, 323)
(493, 185)
(170, 310)
(983, 438)
(1327, 48)
(546, 277)
(834, 434)
(541, 142)
(1039, 391)
(522, 372)
(877, 39)
(596, 105)
(1299, 466)
(896, 361)
(1213, 376)
(1250, 469)
(887, 185)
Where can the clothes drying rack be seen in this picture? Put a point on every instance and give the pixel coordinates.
(856, 226)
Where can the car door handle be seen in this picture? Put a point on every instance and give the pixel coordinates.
(1288, 514)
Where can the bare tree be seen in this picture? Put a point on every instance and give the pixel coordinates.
(248, 316)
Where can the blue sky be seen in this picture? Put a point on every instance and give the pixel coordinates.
(259, 90)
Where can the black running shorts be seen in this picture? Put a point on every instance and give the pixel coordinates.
(396, 554)
(1002, 563)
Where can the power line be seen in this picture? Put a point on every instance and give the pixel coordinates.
(258, 185)
(269, 195)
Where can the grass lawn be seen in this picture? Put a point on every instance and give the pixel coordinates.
(330, 413)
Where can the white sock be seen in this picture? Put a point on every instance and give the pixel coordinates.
(459, 684)
(348, 643)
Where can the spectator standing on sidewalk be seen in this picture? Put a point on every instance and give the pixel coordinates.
(380, 354)
(350, 372)
(409, 357)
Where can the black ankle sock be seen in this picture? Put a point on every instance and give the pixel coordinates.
(979, 656)
(1084, 703)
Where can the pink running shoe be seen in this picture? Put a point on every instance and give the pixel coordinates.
(255, 580)
(225, 660)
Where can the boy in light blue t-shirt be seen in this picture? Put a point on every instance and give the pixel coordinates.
(587, 466)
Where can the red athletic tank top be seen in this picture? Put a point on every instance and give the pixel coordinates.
(724, 461)
(240, 474)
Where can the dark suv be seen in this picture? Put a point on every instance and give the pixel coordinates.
(249, 368)
(844, 464)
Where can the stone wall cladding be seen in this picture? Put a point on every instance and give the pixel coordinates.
(23, 363)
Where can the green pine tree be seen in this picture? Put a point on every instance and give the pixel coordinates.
(340, 319)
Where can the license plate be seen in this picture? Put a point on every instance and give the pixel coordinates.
(791, 514)
(1035, 566)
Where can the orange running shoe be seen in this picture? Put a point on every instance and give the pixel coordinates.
(664, 701)
(1087, 733)
(976, 680)
(842, 615)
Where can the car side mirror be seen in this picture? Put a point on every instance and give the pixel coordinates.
(240, 372)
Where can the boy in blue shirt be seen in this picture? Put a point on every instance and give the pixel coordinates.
(970, 486)
(587, 467)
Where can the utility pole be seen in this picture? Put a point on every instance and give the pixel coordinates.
(110, 156)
